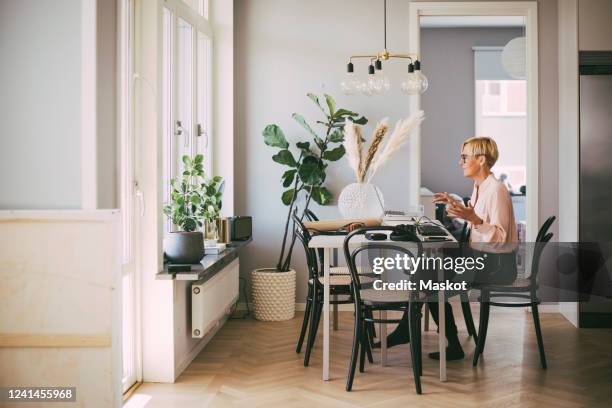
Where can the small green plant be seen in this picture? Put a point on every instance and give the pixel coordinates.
(307, 172)
(194, 197)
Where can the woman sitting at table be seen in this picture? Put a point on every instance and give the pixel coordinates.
(490, 218)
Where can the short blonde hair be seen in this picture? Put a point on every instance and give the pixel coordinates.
(483, 146)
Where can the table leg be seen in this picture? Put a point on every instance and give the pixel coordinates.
(335, 306)
(383, 339)
(326, 260)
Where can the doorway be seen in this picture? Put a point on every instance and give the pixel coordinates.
(524, 15)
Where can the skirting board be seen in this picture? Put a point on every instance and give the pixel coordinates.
(197, 349)
(300, 307)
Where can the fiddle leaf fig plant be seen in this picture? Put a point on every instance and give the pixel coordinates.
(193, 196)
(308, 162)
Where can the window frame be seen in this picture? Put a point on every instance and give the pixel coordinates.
(204, 143)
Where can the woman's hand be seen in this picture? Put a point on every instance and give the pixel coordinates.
(444, 198)
(463, 212)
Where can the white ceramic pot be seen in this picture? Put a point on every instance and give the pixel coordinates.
(361, 200)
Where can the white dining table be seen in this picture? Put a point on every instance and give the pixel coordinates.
(330, 244)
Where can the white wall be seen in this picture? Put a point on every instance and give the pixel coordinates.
(40, 104)
(286, 48)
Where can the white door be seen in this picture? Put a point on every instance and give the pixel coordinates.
(129, 201)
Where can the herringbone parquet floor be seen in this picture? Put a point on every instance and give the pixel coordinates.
(254, 364)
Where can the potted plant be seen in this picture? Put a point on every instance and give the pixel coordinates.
(188, 207)
(274, 288)
(213, 193)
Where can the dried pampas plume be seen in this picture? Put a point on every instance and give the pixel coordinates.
(379, 135)
(398, 138)
(353, 146)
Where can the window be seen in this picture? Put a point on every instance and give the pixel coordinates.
(504, 98)
(186, 87)
(501, 113)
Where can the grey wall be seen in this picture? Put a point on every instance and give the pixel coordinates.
(40, 104)
(594, 28)
(449, 102)
(286, 48)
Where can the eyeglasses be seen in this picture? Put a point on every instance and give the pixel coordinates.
(464, 157)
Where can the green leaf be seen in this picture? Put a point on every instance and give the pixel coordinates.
(337, 136)
(285, 157)
(288, 177)
(186, 160)
(288, 196)
(361, 121)
(300, 119)
(334, 154)
(322, 196)
(331, 104)
(190, 224)
(344, 112)
(303, 146)
(315, 99)
(199, 159)
(274, 136)
(311, 172)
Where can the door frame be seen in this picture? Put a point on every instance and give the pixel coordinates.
(527, 9)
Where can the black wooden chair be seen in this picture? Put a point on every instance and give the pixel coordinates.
(340, 287)
(368, 300)
(522, 293)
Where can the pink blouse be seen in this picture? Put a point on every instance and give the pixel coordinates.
(493, 204)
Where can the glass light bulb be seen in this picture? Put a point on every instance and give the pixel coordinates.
(411, 84)
(423, 81)
(349, 84)
(383, 83)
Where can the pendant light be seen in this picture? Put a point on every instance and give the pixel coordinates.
(377, 82)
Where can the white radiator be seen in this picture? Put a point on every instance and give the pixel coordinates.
(212, 299)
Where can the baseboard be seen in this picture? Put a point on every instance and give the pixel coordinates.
(180, 367)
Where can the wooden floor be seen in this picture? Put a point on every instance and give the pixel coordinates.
(254, 364)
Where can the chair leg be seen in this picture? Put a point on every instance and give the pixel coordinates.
(536, 322)
(419, 350)
(426, 325)
(482, 327)
(370, 326)
(467, 315)
(355, 351)
(362, 350)
(312, 332)
(412, 321)
(309, 301)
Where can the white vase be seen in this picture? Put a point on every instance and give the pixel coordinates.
(361, 200)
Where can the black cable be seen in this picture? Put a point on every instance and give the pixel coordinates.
(246, 300)
(385, 24)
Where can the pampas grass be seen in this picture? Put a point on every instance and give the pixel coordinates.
(379, 135)
(372, 162)
(399, 137)
(353, 146)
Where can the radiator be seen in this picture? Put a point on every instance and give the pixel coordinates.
(212, 299)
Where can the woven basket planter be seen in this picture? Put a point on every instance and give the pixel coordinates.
(273, 294)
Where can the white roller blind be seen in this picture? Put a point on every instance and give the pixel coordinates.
(488, 65)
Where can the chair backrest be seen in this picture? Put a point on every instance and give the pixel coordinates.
(544, 228)
(351, 255)
(541, 240)
(302, 234)
(310, 216)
